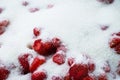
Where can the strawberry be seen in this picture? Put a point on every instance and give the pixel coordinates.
(89, 78)
(106, 1)
(24, 62)
(102, 77)
(117, 49)
(78, 71)
(38, 76)
(2, 29)
(32, 10)
(36, 31)
(4, 23)
(56, 42)
(36, 63)
(71, 61)
(1, 9)
(107, 67)
(91, 66)
(4, 73)
(56, 78)
(44, 48)
(25, 3)
(114, 42)
(67, 77)
(104, 27)
(59, 58)
(118, 34)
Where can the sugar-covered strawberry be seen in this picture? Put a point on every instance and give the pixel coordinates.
(102, 77)
(57, 78)
(59, 58)
(91, 66)
(39, 60)
(115, 42)
(39, 75)
(1, 9)
(89, 78)
(71, 61)
(3, 25)
(24, 62)
(4, 73)
(36, 31)
(47, 47)
(78, 71)
(106, 1)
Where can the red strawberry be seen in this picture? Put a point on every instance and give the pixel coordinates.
(57, 78)
(1, 9)
(44, 48)
(4, 73)
(106, 1)
(106, 67)
(59, 58)
(104, 27)
(36, 31)
(78, 71)
(91, 66)
(38, 76)
(71, 61)
(4, 23)
(2, 29)
(118, 34)
(56, 42)
(61, 48)
(114, 42)
(24, 62)
(89, 78)
(117, 49)
(25, 3)
(36, 63)
(32, 10)
(67, 77)
(102, 77)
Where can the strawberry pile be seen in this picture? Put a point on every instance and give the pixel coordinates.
(115, 42)
(44, 49)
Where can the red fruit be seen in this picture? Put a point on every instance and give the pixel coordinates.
(104, 28)
(50, 6)
(106, 67)
(56, 42)
(62, 48)
(4, 73)
(57, 78)
(102, 77)
(114, 42)
(91, 66)
(4, 23)
(1, 9)
(24, 62)
(71, 61)
(117, 49)
(89, 78)
(25, 3)
(46, 48)
(32, 10)
(59, 58)
(38, 76)
(36, 63)
(36, 31)
(2, 29)
(106, 1)
(118, 34)
(67, 77)
(78, 71)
